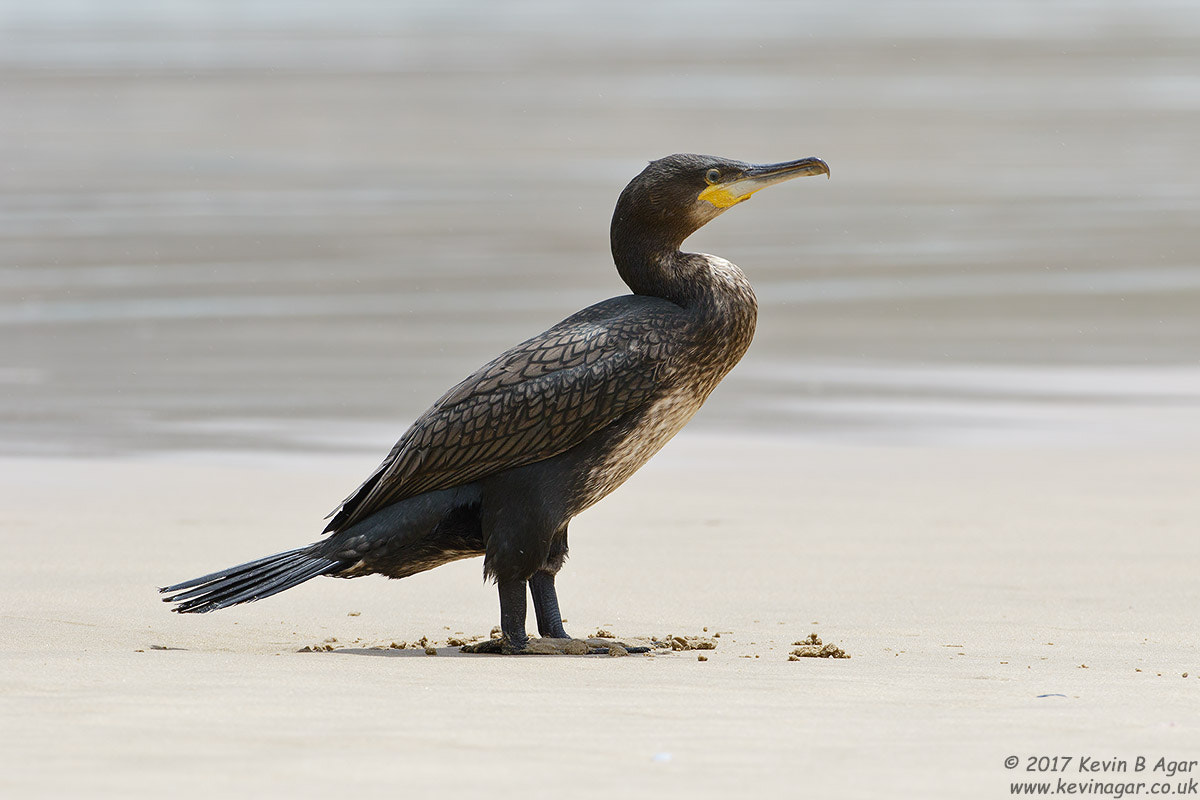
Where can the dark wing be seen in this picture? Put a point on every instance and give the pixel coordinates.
(535, 401)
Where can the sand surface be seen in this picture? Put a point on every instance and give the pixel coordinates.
(995, 601)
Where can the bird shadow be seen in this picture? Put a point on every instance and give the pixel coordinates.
(408, 652)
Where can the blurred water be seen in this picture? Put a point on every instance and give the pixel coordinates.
(292, 225)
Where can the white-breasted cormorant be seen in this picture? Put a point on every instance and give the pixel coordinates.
(500, 464)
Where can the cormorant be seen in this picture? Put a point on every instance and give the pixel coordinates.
(500, 464)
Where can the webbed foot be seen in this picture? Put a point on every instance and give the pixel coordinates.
(553, 647)
(498, 647)
(608, 645)
(555, 641)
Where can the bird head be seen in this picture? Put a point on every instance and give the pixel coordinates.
(674, 196)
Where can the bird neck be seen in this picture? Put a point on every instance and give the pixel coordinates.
(645, 247)
(654, 272)
(714, 289)
(716, 294)
(654, 266)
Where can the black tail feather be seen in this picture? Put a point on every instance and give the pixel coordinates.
(233, 583)
(247, 582)
(227, 573)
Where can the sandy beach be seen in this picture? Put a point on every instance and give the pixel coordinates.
(995, 601)
(242, 244)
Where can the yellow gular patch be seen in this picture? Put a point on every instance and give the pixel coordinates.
(721, 197)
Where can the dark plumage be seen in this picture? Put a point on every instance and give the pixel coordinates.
(503, 461)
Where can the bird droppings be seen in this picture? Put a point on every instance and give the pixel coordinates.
(702, 657)
(353, 613)
(454, 641)
(603, 633)
(431, 651)
(812, 647)
(497, 632)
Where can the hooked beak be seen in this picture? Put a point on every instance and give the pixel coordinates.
(730, 193)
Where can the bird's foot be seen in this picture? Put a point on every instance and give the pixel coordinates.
(554, 647)
(497, 646)
(614, 647)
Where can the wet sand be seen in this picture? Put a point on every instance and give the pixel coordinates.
(296, 230)
(995, 602)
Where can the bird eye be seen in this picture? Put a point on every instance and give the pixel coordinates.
(712, 176)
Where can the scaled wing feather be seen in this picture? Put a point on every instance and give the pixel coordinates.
(533, 402)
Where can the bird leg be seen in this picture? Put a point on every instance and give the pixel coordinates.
(512, 616)
(549, 619)
(545, 606)
(513, 640)
(554, 641)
